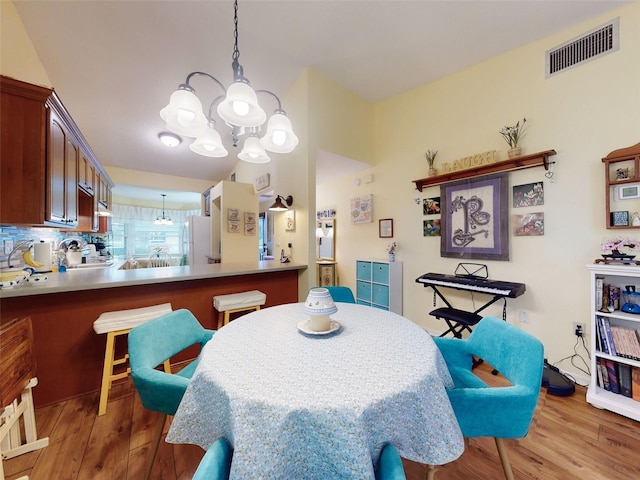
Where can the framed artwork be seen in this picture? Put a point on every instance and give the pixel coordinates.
(529, 195)
(232, 214)
(431, 206)
(250, 228)
(529, 224)
(249, 217)
(474, 219)
(233, 226)
(290, 220)
(385, 228)
(362, 209)
(431, 228)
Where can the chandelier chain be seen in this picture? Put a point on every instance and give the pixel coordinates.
(236, 52)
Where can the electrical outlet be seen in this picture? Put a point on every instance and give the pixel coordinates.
(578, 329)
(8, 246)
(524, 316)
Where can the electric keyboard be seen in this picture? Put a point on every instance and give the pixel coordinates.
(473, 284)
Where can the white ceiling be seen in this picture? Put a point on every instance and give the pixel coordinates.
(115, 63)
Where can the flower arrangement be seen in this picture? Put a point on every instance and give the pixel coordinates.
(615, 244)
(392, 247)
(513, 134)
(430, 155)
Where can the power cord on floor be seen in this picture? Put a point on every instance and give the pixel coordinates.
(587, 370)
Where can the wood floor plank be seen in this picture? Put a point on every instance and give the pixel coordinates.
(107, 452)
(62, 458)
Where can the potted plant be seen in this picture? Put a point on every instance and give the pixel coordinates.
(430, 155)
(513, 135)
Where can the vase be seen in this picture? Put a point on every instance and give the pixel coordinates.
(433, 171)
(392, 257)
(514, 152)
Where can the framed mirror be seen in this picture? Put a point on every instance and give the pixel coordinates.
(325, 239)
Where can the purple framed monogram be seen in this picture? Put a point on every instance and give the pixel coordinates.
(474, 221)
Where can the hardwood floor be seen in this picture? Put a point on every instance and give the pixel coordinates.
(569, 439)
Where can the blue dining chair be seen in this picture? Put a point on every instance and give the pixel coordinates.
(341, 294)
(150, 344)
(216, 463)
(390, 464)
(504, 412)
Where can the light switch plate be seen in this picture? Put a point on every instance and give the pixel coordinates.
(8, 246)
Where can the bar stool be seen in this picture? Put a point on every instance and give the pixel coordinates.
(115, 324)
(237, 302)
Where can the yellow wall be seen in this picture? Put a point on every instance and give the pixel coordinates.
(18, 58)
(583, 113)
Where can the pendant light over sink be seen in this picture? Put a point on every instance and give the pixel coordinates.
(238, 108)
(164, 220)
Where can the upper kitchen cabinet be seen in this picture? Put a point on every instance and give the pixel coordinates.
(47, 168)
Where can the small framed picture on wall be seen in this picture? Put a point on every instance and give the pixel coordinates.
(385, 228)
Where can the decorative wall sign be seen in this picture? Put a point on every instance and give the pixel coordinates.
(529, 195)
(249, 228)
(431, 206)
(233, 226)
(290, 220)
(249, 217)
(471, 161)
(233, 214)
(475, 218)
(263, 181)
(529, 224)
(362, 209)
(431, 228)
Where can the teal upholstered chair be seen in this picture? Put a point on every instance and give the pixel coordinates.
(504, 412)
(341, 294)
(390, 464)
(216, 463)
(150, 344)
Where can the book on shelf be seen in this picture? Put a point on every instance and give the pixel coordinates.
(612, 372)
(624, 379)
(604, 336)
(602, 366)
(609, 334)
(635, 383)
(599, 285)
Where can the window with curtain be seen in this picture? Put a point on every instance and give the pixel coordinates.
(134, 233)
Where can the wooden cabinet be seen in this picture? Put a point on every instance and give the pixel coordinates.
(597, 395)
(44, 161)
(622, 187)
(86, 175)
(379, 284)
(62, 174)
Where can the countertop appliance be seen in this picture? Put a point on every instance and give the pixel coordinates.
(199, 231)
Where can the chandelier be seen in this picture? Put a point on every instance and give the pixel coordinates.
(162, 220)
(239, 109)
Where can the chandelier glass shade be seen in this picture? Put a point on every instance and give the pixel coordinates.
(238, 108)
(253, 152)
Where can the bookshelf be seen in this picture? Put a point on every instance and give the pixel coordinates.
(615, 276)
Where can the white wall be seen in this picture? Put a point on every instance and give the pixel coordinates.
(583, 113)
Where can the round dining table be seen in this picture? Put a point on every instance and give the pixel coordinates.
(300, 405)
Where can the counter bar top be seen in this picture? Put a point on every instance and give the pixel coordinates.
(74, 280)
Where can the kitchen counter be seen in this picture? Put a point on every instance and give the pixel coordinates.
(79, 279)
(69, 354)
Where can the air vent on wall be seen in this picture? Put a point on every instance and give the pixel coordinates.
(600, 41)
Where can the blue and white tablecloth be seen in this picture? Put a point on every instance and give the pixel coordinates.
(295, 406)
